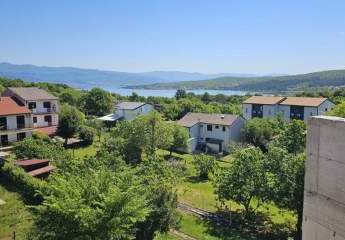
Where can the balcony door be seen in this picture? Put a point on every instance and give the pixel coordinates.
(48, 119)
(3, 123)
(20, 122)
(3, 140)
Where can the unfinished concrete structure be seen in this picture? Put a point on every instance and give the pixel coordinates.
(324, 191)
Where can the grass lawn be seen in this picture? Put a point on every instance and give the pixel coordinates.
(198, 193)
(14, 215)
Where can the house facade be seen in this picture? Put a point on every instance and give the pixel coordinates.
(15, 121)
(301, 108)
(128, 111)
(44, 106)
(212, 132)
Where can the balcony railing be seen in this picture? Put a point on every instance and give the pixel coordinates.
(43, 110)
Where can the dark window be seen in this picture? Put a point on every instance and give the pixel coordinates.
(48, 119)
(32, 105)
(224, 128)
(3, 123)
(20, 122)
(21, 136)
(297, 112)
(217, 126)
(46, 104)
(326, 109)
(4, 140)
(35, 119)
(209, 128)
(257, 110)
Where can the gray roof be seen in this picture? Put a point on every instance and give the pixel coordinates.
(32, 93)
(190, 119)
(129, 105)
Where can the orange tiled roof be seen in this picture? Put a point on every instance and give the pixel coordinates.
(9, 107)
(303, 101)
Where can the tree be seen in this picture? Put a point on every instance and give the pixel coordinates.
(70, 118)
(180, 93)
(245, 180)
(71, 97)
(259, 131)
(293, 137)
(206, 97)
(287, 182)
(97, 125)
(95, 204)
(180, 138)
(97, 102)
(204, 165)
(134, 97)
(87, 134)
(2, 89)
(338, 110)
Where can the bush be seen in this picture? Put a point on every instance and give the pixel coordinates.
(30, 187)
(204, 164)
(87, 134)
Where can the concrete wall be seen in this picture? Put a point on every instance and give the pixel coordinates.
(247, 111)
(131, 114)
(324, 200)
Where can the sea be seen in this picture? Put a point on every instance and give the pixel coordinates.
(169, 92)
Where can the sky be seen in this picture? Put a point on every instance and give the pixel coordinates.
(209, 36)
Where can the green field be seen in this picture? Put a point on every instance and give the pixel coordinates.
(14, 214)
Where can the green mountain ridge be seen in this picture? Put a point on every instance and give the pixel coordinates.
(329, 78)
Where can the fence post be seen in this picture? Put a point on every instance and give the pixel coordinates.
(14, 235)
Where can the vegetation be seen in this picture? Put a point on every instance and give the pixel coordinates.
(333, 78)
(86, 134)
(204, 165)
(97, 102)
(70, 119)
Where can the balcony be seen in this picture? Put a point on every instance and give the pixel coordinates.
(43, 110)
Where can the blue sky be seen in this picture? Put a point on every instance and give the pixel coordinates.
(248, 36)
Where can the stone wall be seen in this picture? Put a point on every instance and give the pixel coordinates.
(324, 191)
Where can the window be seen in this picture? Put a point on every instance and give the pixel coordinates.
(32, 105)
(35, 119)
(209, 128)
(21, 136)
(46, 104)
(224, 128)
(3, 123)
(20, 122)
(326, 109)
(217, 126)
(3, 140)
(48, 118)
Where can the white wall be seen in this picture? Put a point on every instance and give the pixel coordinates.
(247, 110)
(325, 107)
(131, 114)
(269, 111)
(42, 123)
(236, 128)
(12, 121)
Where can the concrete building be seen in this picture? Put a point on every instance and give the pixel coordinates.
(15, 121)
(212, 132)
(324, 191)
(44, 106)
(127, 111)
(301, 108)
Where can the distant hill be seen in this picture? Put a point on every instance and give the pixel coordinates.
(331, 78)
(88, 78)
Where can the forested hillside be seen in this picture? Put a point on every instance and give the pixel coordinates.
(332, 78)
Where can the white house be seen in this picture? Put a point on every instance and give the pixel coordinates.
(128, 111)
(212, 132)
(44, 106)
(289, 107)
(15, 121)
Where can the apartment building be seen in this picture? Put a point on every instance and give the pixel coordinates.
(15, 121)
(44, 106)
(301, 108)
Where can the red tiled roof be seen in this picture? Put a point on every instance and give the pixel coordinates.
(50, 131)
(9, 107)
(42, 171)
(30, 162)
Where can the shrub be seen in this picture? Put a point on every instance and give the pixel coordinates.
(204, 165)
(87, 134)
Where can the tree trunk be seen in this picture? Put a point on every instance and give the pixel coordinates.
(66, 141)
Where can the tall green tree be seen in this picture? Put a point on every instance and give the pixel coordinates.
(180, 138)
(293, 137)
(180, 93)
(95, 204)
(204, 165)
(338, 110)
(97, 102)
(70, 118)
(245, 180)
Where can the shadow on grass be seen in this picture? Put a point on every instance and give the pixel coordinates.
(196, 179)
(237, 227)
